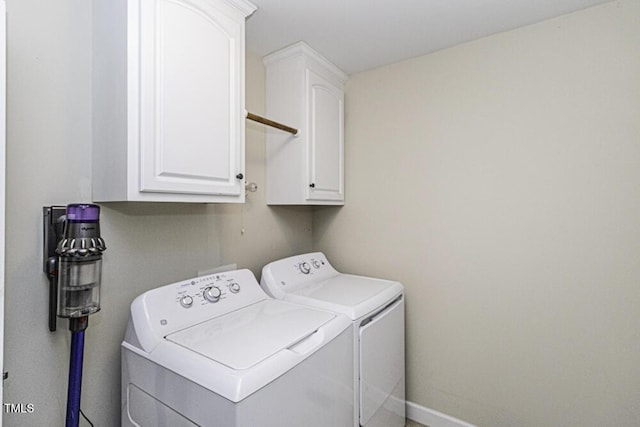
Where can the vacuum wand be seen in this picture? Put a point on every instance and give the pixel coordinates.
(74, 388)
(75, 273)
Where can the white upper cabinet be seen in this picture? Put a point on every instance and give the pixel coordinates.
(168, 100)
(305, 91)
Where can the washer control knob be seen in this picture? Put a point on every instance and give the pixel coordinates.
(186, 301)
(212, 294)
(315, 263)
(305, 268)
(234, 287)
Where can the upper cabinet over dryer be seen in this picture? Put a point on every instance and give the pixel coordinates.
(305, 91)
(168, 100)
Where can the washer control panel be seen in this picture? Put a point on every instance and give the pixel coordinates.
(209, 289)
(181, 304)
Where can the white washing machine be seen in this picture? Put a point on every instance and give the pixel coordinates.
(376, 309)
(217, 351)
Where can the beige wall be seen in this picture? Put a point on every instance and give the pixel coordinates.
(149, 244)
(497, 180)
(500, 181)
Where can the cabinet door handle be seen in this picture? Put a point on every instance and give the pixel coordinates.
(240, 176)
(312, 185)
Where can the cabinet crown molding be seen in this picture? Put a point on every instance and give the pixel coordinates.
(301, 48)
(245, 7)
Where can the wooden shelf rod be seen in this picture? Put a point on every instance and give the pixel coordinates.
(271, 123)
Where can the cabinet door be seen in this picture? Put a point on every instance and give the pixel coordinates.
(326, 139)
(191, 123)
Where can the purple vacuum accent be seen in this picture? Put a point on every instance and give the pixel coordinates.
(83, 212)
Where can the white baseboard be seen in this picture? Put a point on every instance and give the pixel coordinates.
(433, 418)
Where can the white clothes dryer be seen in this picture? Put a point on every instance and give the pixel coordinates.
(217, 351)
(376, 309)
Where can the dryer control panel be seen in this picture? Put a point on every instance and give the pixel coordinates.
(172, 307)
(289, 274)
(310, 265)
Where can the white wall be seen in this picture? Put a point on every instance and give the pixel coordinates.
(49, 162)
(500, 181)
(3, 145)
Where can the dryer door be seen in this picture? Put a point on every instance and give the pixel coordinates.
(382, 368)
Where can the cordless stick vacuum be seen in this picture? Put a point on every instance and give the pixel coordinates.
(73, 263)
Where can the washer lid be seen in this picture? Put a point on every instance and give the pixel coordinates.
(248, 336)
(352, 295)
